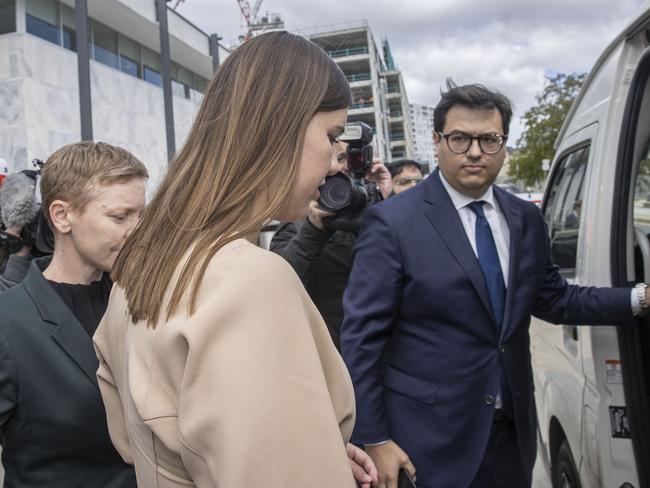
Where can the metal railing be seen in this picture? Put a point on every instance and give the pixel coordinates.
(397, 136)
(361, 77)
(340, 53)
(332, 28)
(362, 105)
(393, 89)
(395, 113)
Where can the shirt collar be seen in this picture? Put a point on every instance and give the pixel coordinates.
(459, 200)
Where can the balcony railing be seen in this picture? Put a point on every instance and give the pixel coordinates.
(362, 105)
(393, 89)
(340, 53)
(332, 28)
(395, 113)
(398, 136)
(361, 77)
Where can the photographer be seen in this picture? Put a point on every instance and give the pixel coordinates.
(322, 257)
(405, 173)
(19, 211)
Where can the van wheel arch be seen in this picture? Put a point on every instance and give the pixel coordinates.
(564, 473)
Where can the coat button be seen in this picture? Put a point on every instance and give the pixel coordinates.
(489, 400)
(503, 349)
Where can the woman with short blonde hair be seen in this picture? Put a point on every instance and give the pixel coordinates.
(52, 420)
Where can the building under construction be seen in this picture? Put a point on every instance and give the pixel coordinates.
(379, 97)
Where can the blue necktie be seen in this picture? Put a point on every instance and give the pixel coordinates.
(488, 258)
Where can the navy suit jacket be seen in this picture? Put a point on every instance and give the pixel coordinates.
(420, 340)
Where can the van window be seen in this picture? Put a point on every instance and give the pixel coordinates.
(564, 208)
(641, 211)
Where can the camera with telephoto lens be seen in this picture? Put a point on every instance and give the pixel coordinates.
(347, 195)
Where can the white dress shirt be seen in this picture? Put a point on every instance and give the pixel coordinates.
(498, 225)
(494, 216)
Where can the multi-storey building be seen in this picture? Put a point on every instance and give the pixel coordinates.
(422, 127)
(379, 98)
(401, 137)
(39, 90)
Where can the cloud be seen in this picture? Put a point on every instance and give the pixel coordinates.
(509, 45)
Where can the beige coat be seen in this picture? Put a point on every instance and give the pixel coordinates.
(248, 392)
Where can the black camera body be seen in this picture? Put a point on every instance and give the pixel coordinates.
(348, 195)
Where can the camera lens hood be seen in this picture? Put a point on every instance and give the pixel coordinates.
(336, 193)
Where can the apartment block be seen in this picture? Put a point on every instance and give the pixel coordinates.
(422, 130)
(379, 97)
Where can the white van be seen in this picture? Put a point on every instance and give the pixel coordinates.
(593, 383)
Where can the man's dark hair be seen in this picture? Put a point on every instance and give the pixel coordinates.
(471, 96)
(396, 167)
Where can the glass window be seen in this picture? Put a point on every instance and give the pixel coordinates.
(105, 45)
(129, 57)
(151, 66)
(199, 83)
(195, 96)
(69, 26)
(181, 81)
(564, 208)
(7, 16)
(641, 214)
(42, 19)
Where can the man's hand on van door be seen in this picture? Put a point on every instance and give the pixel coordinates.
(389, 459)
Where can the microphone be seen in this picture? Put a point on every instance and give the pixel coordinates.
(18, 206)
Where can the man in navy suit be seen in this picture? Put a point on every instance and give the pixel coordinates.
(445, 279)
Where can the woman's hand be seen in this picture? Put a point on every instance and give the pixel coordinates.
(363, 469)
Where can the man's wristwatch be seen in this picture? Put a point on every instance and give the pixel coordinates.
(640, 290)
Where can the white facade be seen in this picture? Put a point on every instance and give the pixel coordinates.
(39, 94)
(422, 130)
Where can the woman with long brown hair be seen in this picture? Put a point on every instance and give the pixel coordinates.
(215, 367)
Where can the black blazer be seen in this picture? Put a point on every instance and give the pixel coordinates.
(322, 261)
(52, 420)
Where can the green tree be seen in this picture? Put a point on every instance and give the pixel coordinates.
(541, 126)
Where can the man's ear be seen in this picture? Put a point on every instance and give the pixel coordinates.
(60, 216)
(436, 137)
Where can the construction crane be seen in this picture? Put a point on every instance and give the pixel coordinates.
(253, 24)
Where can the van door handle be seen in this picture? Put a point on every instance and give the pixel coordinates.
(644, 246)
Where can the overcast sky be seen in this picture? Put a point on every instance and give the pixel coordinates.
(509, 45)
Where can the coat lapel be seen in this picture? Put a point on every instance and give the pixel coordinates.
(513, 217)
(68, 332)
(444, 217)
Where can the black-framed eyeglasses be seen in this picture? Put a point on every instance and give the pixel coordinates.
(460, 142)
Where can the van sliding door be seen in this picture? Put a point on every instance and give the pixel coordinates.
(631, 256)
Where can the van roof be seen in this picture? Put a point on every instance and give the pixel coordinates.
(638, 22)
